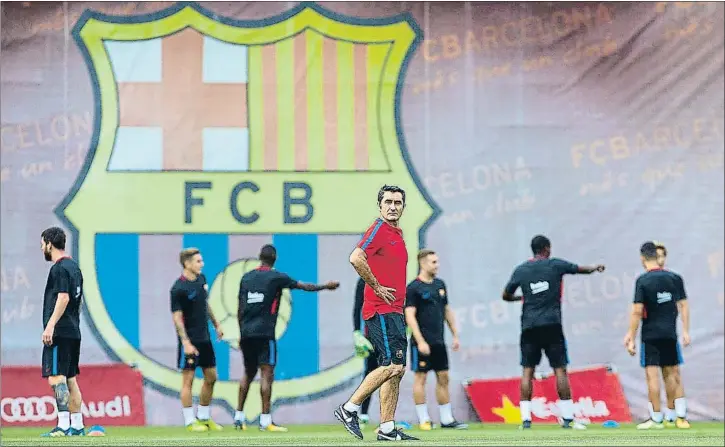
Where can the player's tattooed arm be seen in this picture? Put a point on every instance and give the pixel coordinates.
(179, 324)
(307, 287)
(212, 318)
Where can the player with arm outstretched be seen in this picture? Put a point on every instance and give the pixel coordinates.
(260, 291)
(540, 280)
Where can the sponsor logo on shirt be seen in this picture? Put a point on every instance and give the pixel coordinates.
(254, 297)
(538, 287)
(663, 297)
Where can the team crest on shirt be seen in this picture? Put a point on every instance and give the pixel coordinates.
(188, 145)
(442, 293)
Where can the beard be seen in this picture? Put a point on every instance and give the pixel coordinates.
(47, 256)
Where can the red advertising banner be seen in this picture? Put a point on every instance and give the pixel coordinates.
(112, 395)
(597, 394)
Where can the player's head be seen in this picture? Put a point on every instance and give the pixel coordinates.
(268, 255)
(190, 259)
(51, 239)
(648, 255)
(428, 261)
(661, 253)
(541, 246)
(391, 202)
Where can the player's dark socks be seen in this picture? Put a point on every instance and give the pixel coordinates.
(350, 420)
(526, 424)
(566, 423)
(395, 435)
(455, 425)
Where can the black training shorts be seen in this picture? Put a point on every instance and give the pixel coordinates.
(660, 352)
(436, 361)
(387, 334)
(62, 358)
(205, 359)
(258, 351)
(549, 339)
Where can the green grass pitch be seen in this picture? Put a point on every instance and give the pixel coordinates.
(702, 433)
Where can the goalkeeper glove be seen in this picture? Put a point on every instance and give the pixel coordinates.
(362, 344)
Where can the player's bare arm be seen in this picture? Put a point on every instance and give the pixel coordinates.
(684, 309)
(307, 287)
(634, 319)
(586, 269)
(412, 321)
(510, 297)
(215, 322)
(60, 304)
(178, 317)
(359, 261)
(450, 317)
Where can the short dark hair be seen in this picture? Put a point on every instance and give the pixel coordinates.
(55, 236)
(648, 250)
(268, 254)
(390, 188)
(540, 243)
(187, 254)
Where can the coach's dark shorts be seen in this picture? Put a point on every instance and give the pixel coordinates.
(660, 352)
(549, 339)
(258, 351)
(371, 363)
(437, 360)
(62, 358)
(205, 359)
(387, 334)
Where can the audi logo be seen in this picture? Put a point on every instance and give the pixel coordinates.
(28, 409)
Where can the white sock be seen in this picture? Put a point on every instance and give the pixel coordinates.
(76, 420)
(681, 407)
(567, 409)
(670, 414)
(64, 420)
(422, 412)
(387, 427)
(446, 413)
(265, 419)
(651, 409)
(657, 416)
(525, 407)
(351, 407)
(239, 416)
(189, 417)
(203, 412)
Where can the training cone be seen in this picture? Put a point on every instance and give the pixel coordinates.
(96, 430)
(610, 424)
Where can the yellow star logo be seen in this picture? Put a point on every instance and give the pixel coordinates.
(508, 411)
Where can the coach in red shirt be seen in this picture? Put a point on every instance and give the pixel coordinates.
(380, 259)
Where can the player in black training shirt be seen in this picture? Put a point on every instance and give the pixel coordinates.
(540, 280)
(426, 312)
(61, 332)
(659, 296)
(259, 293)
(191, 315)
(363, 346)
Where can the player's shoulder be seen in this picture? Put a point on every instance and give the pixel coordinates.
(439, 283)
(202, 278)
(178, 284)
(414, 284)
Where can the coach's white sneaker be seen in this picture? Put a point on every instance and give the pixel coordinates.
(650, 424)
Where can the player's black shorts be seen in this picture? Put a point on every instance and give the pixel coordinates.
(437, 360)
(660, 352)
(371, 363)
(258, 351)
(387, 334)
(549, 339)
(62, 357)
(205, 359)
